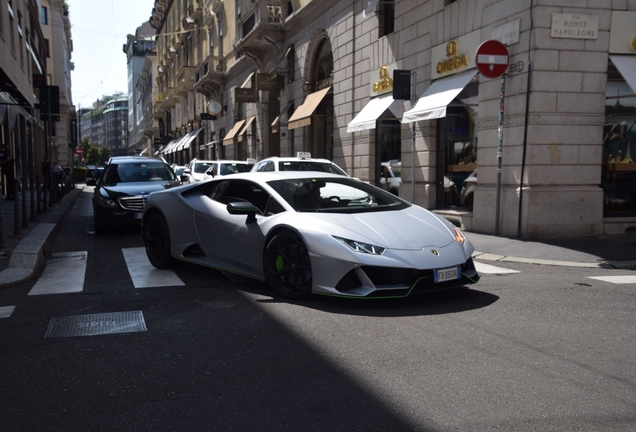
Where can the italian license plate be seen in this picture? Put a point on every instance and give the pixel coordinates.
(446, 274)
(139, 215)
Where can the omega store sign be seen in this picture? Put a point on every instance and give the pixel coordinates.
(455, 56)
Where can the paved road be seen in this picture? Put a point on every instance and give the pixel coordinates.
(530, 348)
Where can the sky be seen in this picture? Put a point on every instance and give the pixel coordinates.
(99, 30)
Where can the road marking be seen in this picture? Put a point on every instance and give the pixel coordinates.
(490, 269)
(6, 311)
(628, 279)
(64, 273)
(144, 274)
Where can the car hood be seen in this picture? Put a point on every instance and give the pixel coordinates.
(138, 188)
(412, 228)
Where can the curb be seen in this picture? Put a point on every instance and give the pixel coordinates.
(28, 257)
(623, 265)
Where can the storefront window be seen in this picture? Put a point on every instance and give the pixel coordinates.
(619, 142)
(388, 151)
(457, 150)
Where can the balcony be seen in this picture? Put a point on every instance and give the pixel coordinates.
(210, 76)
(184, 81)
(261, 29)
(169, 99)
(215, 5)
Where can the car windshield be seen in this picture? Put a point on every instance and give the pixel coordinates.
(202, 167)
(232, 168)
(137, 172)
(311, 166)
(335, 195)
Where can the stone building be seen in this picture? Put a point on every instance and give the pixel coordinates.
(254, 78)
(136, 49)
(23, 71)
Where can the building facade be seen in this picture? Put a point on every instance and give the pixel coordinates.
(56, 28)
(115, 118)
(136, 48)
(23, 71)
(543, 151)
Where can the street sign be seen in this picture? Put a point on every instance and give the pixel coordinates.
(79, 151)
(492, 59)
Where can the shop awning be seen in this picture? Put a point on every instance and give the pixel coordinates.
(168, 148)
(185, 142)
(626, 65)
(248, 123)
(432, 104)
(375, 108)
(177, 143)
(247, 81)
(302, 115)
(229, 138)
(281, 119)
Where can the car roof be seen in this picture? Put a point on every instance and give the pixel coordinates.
(242, 162)
(284, 175)
(130, 159)
(295, 159)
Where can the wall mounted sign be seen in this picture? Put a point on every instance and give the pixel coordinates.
(381, 80)
(623, 33)
(574, 26)
(508, 33)
(455, 56)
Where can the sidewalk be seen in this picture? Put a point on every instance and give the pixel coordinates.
(25, 249)
(600, 251)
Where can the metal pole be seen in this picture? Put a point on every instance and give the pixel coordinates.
(500, 151)
(413, 96)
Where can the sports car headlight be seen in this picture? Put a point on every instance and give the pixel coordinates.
(361, 247)
(459, 236)
(105, 202)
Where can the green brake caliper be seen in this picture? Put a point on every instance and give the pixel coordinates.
(280, 262)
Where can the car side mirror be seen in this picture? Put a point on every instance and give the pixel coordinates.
(243, 208)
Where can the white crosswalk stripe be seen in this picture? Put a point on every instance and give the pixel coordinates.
(144, 274)
(491, 269)
(627, 279)
(6, 311)
(64, 273)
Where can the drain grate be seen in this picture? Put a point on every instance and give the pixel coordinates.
(96, 324)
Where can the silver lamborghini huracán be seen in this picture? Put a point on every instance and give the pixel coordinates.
(308, 232)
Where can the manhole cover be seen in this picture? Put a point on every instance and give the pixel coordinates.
(96, 324)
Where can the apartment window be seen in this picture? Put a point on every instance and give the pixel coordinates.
(46, 45)
(386, 17)
(12, 31)
(44, 18)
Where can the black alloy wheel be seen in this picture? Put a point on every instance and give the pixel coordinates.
(157, 241)
(288, 267)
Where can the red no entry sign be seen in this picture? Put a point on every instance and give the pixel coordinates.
(492, 59)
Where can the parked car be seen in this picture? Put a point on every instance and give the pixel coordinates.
(225, 167)
(179, 172)
(391, 176)
(302, 162)
(120, 197)
(468, 189)
(196, 170)
(93, 174)
(282, 227)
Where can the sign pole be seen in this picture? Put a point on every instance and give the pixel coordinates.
(492, 59)
(500, 150)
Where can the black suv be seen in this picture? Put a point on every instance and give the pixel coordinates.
(120, 195)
